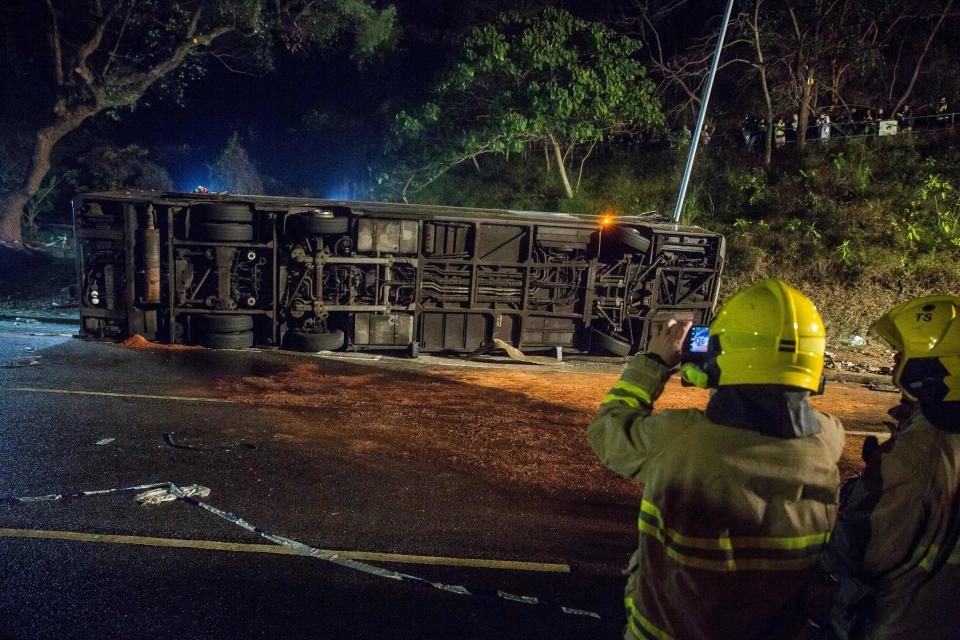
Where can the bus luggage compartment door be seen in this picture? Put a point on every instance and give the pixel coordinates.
(382, 330)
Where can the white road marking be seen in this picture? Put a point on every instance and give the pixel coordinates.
(112, 394)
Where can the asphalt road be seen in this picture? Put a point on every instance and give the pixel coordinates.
(433, 521)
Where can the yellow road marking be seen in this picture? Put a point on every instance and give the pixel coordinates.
(111, 394)
(216, 545)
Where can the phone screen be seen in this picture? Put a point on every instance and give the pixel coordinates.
(699, 338)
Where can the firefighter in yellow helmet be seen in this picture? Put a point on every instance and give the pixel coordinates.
(894, 549)
(739, 499)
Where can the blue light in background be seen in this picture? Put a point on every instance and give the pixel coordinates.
(342, 192)
(188, 181)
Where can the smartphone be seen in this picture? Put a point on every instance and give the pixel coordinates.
(697, 343)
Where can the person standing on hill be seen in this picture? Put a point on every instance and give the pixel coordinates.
(823, 122)
(905, 119)
(739, 499)
(943, 113)
(780, 132)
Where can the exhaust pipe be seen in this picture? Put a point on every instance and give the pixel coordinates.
(148, 240)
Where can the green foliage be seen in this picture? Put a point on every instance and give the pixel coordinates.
(698, 207)
(107, 168)
(303, 25)
(552, 82)
(855, 251)
(846, 252)
(930, 221)
(37, 204)
(753, 187)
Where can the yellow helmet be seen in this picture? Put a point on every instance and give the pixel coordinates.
(769, 333)
(925, 332)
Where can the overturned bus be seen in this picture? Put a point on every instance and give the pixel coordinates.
(313, 275)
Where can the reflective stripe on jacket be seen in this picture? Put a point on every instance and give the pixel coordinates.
(898, 536)
(731, 520)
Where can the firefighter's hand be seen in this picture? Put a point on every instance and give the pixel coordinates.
(668, 343)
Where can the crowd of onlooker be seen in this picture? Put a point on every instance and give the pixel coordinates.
(835, 122)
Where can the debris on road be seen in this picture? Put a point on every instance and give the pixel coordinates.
(173, 442)
(347, 355)
(24, 361)
(52, 497)
(161, 492)
(830, 361)
(513, 353)
(170, 493)
(136, 341)
(869, 357)
(103, 441)
(886, 388)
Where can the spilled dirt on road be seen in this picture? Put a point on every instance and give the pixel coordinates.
(513, 432)
(859, 408)
(509, 427)
(137, 341)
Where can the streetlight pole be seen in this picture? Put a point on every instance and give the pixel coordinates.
(695, 141)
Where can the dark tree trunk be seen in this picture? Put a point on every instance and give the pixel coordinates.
(12, 205)
(806, 94)
(11, 210)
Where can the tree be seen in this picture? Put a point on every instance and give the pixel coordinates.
(105, 55)
(680, 66)
(552, 81)
(106, 168)
(805, 53)
(759, 63)
(937, 24)
(234, 172)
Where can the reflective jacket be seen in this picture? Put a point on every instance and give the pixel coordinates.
(731, 520)
(897, 539)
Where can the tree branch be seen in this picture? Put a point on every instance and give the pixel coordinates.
(222, 59)
(116, 46)
(142, 81)
(926, 47)
(135, 84)
(55, 47)
(796, 26)
(90, 46)
(761, 67)
(582, 162)
(893, 79)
